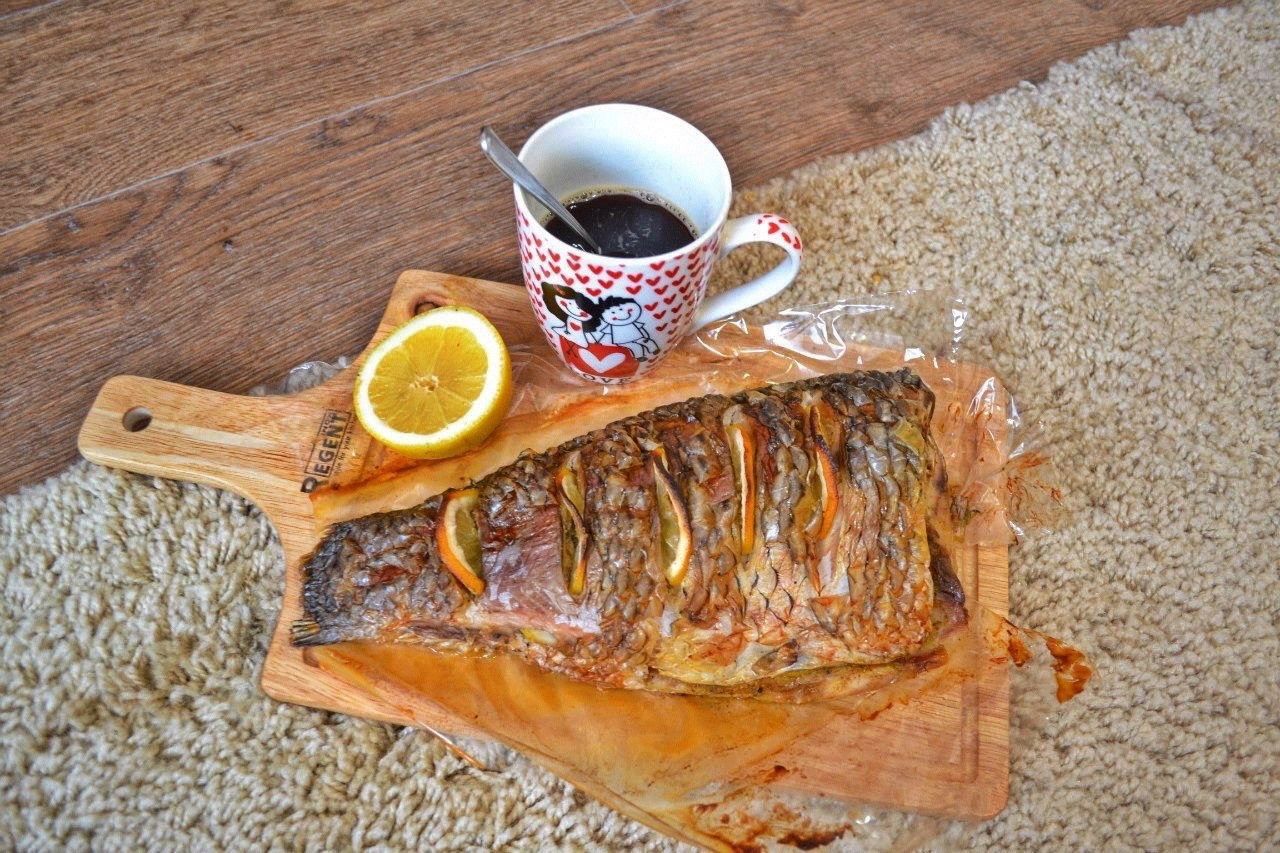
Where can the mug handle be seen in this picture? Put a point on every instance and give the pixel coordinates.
(756, 228)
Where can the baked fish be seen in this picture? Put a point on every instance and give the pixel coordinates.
(779, 543)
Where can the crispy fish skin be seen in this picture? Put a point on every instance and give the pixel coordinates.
(796, 609)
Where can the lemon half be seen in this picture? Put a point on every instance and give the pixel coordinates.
(437, 386)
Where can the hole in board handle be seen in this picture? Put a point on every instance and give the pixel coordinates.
(136, 419)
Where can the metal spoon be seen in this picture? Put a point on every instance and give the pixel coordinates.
(510, 165)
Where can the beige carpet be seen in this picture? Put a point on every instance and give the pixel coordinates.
(1118, 230)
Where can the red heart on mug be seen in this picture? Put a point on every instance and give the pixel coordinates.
(574, 265)
(651, 307)
(568, 279)
(773, 228)
(672, 298)
(595, 268)
(615, 274)
(660, 290)
(658, 315)
(656, 266)
(663, 326)
(594, 291)
(671, 273)
(653, 280)
(598, 359)
(633, 290)
(636, 276)
(601, 364)
(583, 278)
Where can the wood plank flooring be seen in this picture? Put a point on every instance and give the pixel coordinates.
(142, 88)
(211, 194)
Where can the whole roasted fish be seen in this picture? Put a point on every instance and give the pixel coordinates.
(779, 543)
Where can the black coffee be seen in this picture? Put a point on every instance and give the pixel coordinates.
(625, 225)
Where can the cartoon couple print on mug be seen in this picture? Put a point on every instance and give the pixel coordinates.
(608, 333)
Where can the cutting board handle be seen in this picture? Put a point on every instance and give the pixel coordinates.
(270, 449)
(234, 442)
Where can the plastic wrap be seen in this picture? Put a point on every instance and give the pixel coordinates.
(1000, 488)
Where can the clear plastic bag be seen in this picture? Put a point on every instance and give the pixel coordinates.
(999, 488)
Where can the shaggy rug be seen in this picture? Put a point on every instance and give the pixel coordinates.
(1117, 231)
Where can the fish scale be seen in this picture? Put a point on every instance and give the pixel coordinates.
(796, 609)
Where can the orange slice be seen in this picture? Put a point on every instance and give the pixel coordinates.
(675, 539)
(742, 450)
(573, 528)
(458, 539)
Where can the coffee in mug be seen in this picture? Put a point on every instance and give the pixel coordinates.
(625, 223)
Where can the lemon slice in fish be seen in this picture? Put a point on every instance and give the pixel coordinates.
(822, 488)
(673, 524)
(437, 386)
(458, 540)
(573, 528)
(742, 451)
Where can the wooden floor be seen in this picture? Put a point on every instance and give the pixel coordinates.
(213, 192)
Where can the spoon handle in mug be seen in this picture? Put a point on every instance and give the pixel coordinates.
(509, 164)
(756, 228)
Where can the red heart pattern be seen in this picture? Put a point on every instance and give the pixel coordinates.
(674, 284)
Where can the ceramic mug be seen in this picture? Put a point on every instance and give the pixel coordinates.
(612, 319)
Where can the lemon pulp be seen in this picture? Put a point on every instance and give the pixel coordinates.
(437, 386)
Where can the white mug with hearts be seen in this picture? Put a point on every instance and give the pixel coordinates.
(612, 319)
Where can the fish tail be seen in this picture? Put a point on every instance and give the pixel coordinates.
(358, 583)
(324, 619)
(309, 632)
(305, 632)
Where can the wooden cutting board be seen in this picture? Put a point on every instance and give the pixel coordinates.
(306, 462)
